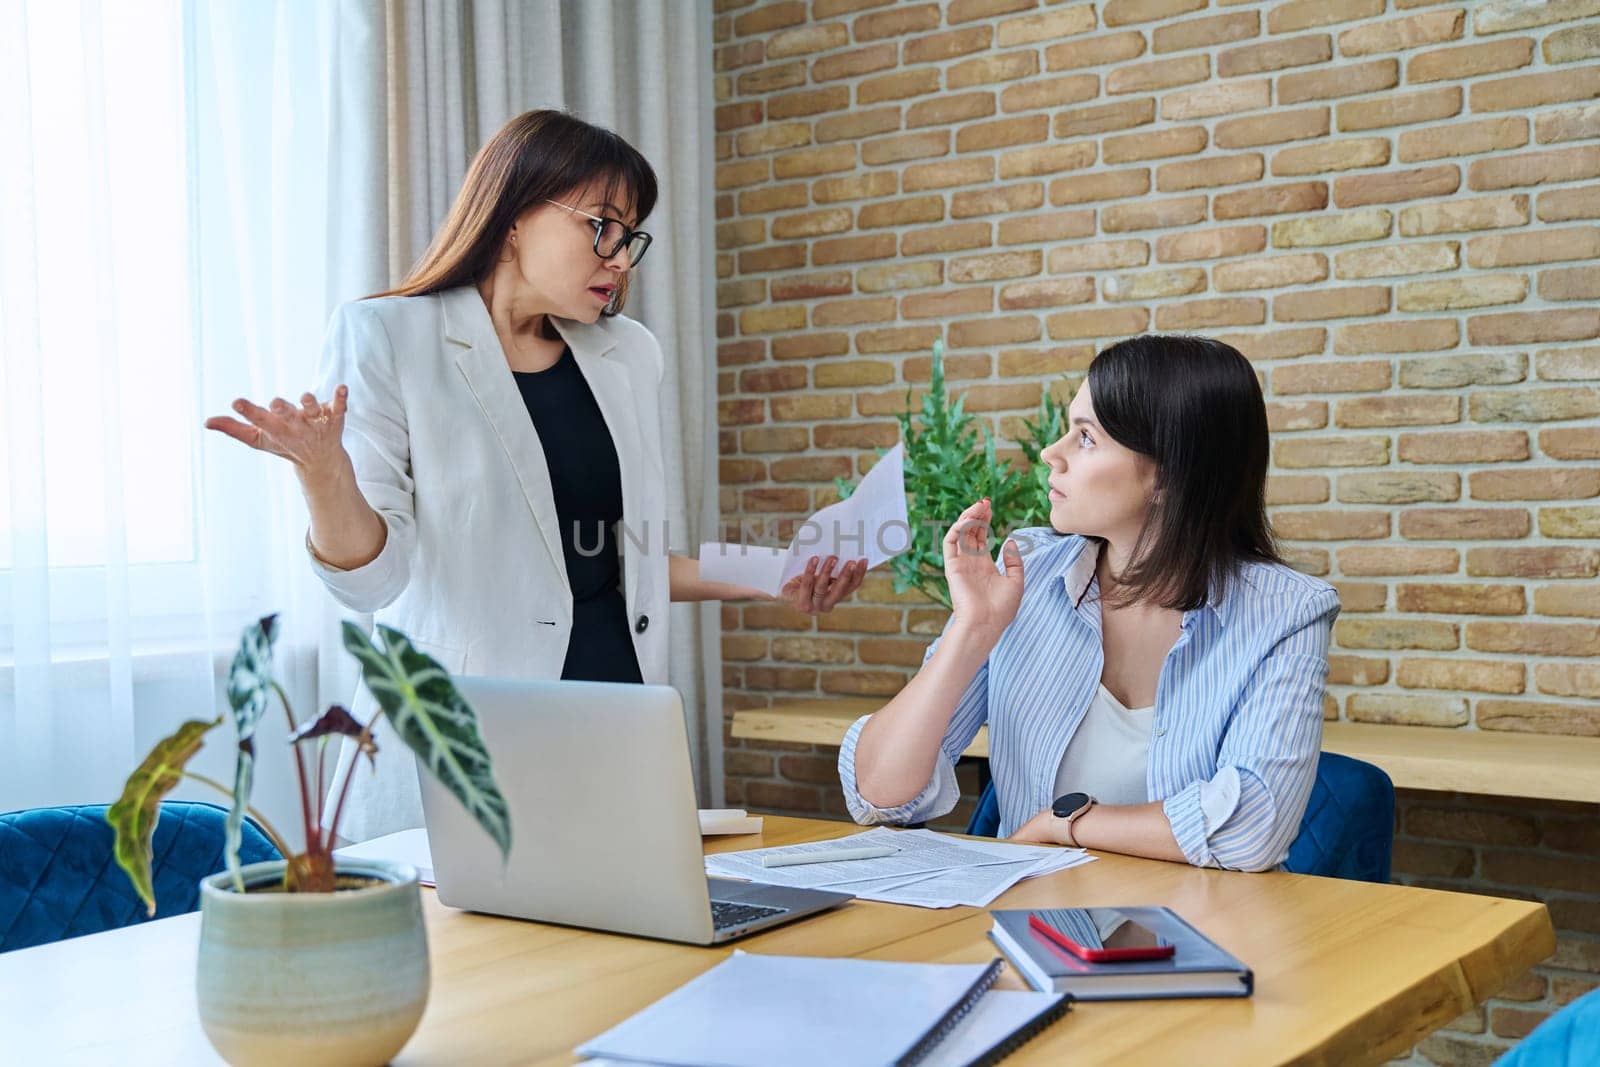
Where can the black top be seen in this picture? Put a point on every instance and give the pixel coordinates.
(587, 482)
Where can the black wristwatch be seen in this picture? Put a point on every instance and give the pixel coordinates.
(1071, 807)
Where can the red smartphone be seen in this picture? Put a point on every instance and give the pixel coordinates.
(1128, 941)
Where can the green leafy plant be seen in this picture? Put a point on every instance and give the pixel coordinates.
(950, 462)
(412, 689)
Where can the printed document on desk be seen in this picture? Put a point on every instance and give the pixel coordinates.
(928, 870)
(871, 524)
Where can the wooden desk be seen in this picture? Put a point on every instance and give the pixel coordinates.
(1487, 762)
(1346, 972)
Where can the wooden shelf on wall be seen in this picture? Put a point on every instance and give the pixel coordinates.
(1484, 762)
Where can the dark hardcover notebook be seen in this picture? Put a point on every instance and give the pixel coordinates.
(1196, 968)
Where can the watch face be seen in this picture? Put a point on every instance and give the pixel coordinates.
(1068, 803)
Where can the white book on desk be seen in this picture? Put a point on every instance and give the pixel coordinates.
(799, 1011)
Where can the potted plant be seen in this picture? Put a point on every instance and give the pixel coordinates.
(307, 960)
(950, 463)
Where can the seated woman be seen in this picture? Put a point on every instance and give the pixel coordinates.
(1154, 685)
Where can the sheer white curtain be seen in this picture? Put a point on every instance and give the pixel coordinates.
(187, 191)
(458, 70)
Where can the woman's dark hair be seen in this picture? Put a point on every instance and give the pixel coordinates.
(537, 156)
(1193, 406)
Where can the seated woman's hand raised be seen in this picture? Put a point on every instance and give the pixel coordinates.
(309, 436)
(982, 598)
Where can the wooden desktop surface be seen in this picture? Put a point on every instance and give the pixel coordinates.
(1346, 972)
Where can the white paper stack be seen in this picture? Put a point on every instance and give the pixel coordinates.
(715, 822)
(928, 870)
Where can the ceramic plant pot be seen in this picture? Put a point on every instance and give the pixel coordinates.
(312, 978)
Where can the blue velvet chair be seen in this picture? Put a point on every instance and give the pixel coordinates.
(1347, 830)
(58, 878)
(1569, 1038)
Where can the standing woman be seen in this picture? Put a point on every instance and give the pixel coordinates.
(1154, 687)
(486, 473)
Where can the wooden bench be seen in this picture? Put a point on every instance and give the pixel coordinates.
(1485, 762)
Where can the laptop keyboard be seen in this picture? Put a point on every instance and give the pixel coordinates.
(727, 913)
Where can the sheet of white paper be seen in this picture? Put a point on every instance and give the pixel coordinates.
(872, 524)
(407, 846)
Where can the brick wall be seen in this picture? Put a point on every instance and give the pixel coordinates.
(1389, 205)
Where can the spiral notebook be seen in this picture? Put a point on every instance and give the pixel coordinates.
(798, 1011)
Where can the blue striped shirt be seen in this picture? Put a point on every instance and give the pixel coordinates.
(1238, 713)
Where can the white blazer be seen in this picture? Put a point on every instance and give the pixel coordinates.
(445, 451)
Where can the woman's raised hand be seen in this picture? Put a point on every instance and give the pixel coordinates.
(982, 597)
(309, 436)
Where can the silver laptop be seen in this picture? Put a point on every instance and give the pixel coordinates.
(605, 831)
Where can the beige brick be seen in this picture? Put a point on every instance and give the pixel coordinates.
(1342, 525)
(1408, 710)
(1538, 638)
(1524, 91)
(855, 434)
(1469, 61)
(1341, 377)
(771, 78)
(1477, 446)
(999, 200)
(853, 249)
(1153, 284)
(1560, 483)
(1547, 245)
(961, 11)
(949, 45)
(1099, 50)
(974, 301)
(855, 187)
(1464, 524)
(991, 69)
(1271, 272)
(1304, 14)
(1453, 372)
(1331, 452)
(1127, 12)
(1206, 173)
(812, 161)
(773, 137)
(1204, 32)
(772, 319)
(1563, 205)
(1157, 74)
(811, 286)
(1567, 598)
(1571, 443)
(854, 63)
(1204, 314)
(897, 86)
(1296, 489)
(1534, 327)
(1459, 293)
(1570, 283)
(1464, 139)
(1346, 154)
(1048, 27)
(1462, 216)
(1088, 121)
(1222, 243)
(1350, 79)
(1573, 719)
(1153, 214)
(925, 145)
(1397, 411)
(894, 276)
(968, 171)
(953, 107)
(1313, 561)
(1400, 109)
(988, 332)
(814, 345)
(1275, 55)
(1050, 92)
(995, 266)
(1349, 227)
(1049, 159)
(1278, 344)
(1552, 404)
(1570, 522)
(1485, 676)
(773, 198)
(1112, 323)
(1290, 415)
(1568, 679)
(896, 22)
(809, 102)
(812, 223)
(1224, 98)
(1274, 128)
(773, 439)
(1100, 255)
(1572, 45)
(1342, 303)
(807, 408)
(1370, 560)
(897, 339)
(1461, 599)
(1270, 200)
(1570, 364)
(1357, 670)
(1399, 487)
(1541, 562)
(903, 212)
(1051, 227)
(1033, 363)
(775, 257)
(1402, 34)
(1132, 147)
(853, 312)
(1396, 633)
(1385, 261)
(1041, 294)
(1568, 124)
(1389, 187)
(1535, 168)
(1100, 185)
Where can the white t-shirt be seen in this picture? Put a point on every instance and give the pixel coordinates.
(1108, 753)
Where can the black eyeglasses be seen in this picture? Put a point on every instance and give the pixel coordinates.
(612, 235)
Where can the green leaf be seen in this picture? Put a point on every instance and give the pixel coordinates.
(434, 721)
(133, 817)
(250, 688)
